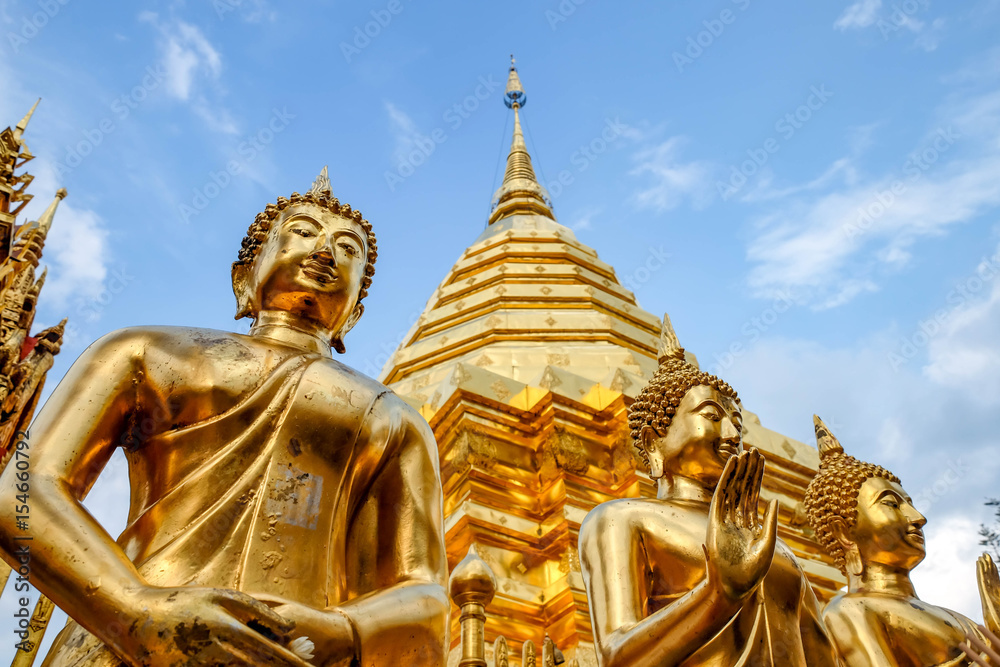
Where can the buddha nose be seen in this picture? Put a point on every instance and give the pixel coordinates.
(730, 433)
(324, 249)
(916, 517)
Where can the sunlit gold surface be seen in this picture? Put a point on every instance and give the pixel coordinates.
(872, 528)
(270, 484)
(693, 577)
(524, 361)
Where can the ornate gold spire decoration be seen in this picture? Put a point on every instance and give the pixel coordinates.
(670, 347)
(520, 191)
(826, 441)
(24, 359)
(31, 237)
(23, 125)
(321, 187)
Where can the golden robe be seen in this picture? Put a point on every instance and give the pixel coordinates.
(304, 489)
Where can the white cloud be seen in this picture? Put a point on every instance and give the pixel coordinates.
(859, 15)
(404, 132)
(962, 354)
(672, 181)
(947, 577)
(929, 39)
(76, 251)
(193, 70)
(839, 235)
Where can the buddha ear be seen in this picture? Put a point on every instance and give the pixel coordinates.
(338, 338)
(852, 555)
(241, 288)
(648, 438)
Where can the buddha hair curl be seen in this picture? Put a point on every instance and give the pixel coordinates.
(657, 403)
(833, 492)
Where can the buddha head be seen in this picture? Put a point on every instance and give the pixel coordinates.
(309, 255)
(860, 512)
(685, 422)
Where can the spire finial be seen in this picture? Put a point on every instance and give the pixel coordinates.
(321, 186)
(520, 191)
(23, 125)
(670, 346)
(514, 96)
(826, 441)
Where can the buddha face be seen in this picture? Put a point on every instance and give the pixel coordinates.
(705, 431)
(889, 529)
(312, 265)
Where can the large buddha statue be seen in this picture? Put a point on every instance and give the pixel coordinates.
(693, 577)
(864, 518)
(277, 496)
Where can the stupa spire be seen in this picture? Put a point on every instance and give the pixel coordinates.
(31, 238)
(23, 125)
(520, 192)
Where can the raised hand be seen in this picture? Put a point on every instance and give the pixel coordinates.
(989, 591)
(738, 547)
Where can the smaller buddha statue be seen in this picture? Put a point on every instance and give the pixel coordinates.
(867, 522)
(695, 577)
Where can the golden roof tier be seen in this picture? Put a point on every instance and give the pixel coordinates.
(524, 362)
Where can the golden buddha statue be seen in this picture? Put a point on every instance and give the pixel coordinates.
(864, 518)
(693, 577)
(278, 498)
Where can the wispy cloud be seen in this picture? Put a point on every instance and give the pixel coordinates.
(892, 20)
(836, 236)
(963, 354)
(404, 132)
(76, 252)
(861, 14)
(194, 70)
(669, 180)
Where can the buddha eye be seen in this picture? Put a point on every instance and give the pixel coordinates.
(302, 232)
(891, 503)
(349, 248)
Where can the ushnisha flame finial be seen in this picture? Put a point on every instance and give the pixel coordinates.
(321, 186)
(826, 442)
(670, 347)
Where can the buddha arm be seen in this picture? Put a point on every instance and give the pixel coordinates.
(396, 560)
(73, 560)
(612, 558)
(817, 644)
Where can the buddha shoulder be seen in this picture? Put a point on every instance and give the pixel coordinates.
(626, 518)
(174, 341)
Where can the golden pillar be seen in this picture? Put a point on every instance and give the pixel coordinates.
(472, 586)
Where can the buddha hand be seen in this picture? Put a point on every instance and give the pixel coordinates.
(210, 626)
(989, 591)
(738, 547)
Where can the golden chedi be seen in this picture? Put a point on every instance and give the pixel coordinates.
(868, 524)
(693, 577)
(283, 507)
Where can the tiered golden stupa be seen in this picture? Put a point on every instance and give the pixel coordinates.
(524, 362)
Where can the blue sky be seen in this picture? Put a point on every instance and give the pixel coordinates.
(823, 179)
